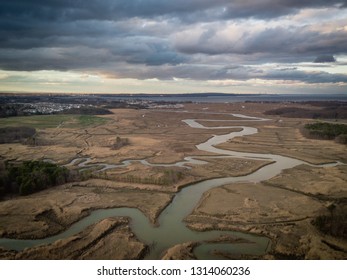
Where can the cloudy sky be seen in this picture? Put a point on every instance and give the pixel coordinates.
(181, 46)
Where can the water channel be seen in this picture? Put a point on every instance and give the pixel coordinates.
(171, 228)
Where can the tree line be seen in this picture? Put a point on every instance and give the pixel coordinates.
(326, 131)
(30, 176)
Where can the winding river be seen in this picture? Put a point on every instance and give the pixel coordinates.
(171, 229)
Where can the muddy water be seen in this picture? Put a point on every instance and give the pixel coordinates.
(171, 229)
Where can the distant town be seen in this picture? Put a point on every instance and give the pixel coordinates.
(26, 105)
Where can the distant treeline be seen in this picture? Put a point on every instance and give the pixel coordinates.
(30, 176)
(324, 110)
(326, 131)
(12, 110)
(16, 134)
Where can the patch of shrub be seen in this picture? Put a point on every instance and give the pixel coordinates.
(342, 138)
(335, 223)
(119, 143)
(16, 134)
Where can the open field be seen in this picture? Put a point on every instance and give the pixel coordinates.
(53, 121)
(281, 208)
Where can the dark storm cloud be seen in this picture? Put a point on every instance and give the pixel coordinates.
(114, 10)
(236, 72)
(307, 77)
(129, 50)
(133, 39)
(325, 58)
(274, 41)
(30, 25)
(274, 8)
(27, 24)
(50, 17)
(53, 59)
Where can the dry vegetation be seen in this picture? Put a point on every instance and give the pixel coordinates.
(286, 208)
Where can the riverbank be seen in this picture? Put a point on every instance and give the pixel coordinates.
(108, 239)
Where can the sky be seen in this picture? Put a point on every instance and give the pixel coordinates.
(181, 46)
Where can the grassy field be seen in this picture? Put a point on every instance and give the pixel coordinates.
(89, 120)
(51, 121)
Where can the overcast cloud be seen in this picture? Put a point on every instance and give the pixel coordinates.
(196, 40)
